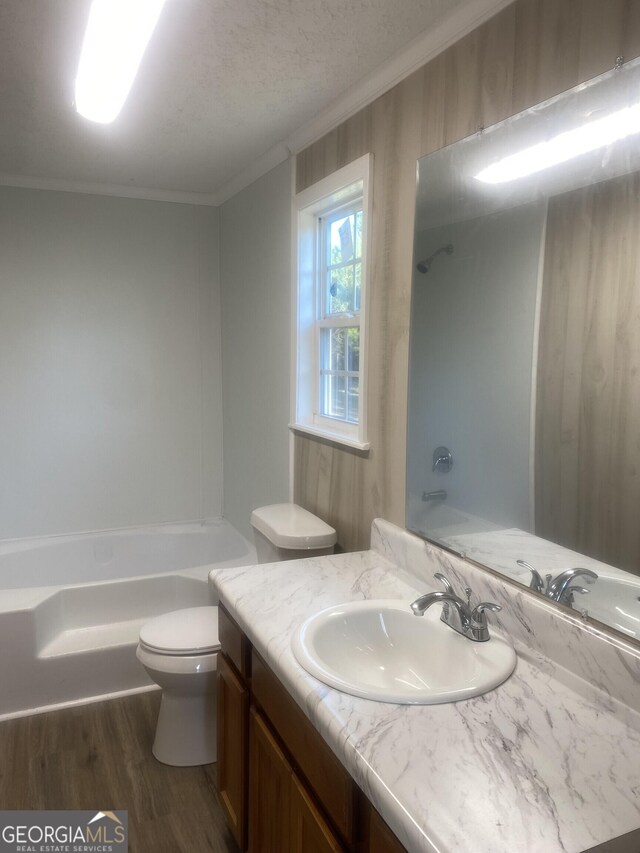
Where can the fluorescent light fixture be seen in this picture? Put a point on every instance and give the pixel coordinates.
(565, 146)
(117, 34)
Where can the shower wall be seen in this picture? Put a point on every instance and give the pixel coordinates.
(255, 258)
(458, 392)
(110, 364)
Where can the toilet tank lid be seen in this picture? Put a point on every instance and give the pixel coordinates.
(291, 526)
(182, 632)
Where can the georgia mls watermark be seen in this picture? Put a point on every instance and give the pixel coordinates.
(64, 832)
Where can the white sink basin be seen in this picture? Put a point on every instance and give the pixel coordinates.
(380, 650)
(614, 600)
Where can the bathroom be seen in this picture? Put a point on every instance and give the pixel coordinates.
(154, 370)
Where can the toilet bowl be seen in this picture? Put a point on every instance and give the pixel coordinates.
(179, 651)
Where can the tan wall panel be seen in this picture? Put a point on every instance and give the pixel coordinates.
(530, 51)
(588, 410)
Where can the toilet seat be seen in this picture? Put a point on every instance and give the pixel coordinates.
(160, 662)
(191, 632)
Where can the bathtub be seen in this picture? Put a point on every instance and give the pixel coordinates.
(71, 607)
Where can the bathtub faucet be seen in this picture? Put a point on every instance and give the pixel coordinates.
(434, 497)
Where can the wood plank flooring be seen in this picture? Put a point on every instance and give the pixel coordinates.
(99, 757)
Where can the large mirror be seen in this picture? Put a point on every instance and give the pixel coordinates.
(524, 389)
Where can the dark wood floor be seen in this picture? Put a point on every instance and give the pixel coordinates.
(99, 757)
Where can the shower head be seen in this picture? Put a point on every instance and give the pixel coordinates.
(425, 266)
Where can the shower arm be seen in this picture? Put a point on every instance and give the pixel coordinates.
(424, 266)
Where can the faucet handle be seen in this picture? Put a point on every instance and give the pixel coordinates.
(537, 583)
(479, 625)
(479, 609)
(581, 589)
(566, 596)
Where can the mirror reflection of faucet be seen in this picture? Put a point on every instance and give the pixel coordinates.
(442, 460)
(562, 587)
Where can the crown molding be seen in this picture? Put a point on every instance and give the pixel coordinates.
(268, 161)
(60, 185)
(409, 59)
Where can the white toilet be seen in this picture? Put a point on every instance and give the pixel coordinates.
(179, 650)
(289, 532)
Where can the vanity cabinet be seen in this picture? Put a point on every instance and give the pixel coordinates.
(233, 748)
(280, 786)
(379, 838)
(282, 816)
(310, 833)
(269, 791)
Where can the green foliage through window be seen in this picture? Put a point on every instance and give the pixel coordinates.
(340, 344)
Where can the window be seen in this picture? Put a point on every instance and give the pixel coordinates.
(330, 290)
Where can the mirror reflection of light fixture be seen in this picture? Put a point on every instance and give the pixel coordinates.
(588, 137)
(116, 37)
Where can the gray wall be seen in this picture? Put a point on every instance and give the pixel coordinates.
(255, 240)
(110, 363)
(472, 326)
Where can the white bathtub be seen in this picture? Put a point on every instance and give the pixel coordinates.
(71, 607)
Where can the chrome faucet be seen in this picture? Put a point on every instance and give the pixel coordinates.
(435, 497)
(456, 613)
(561, 588)
(442, 460)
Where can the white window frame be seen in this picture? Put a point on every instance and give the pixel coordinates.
(347, 185)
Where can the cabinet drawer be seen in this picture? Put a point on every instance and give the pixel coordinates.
(326, 777)
(234, 643)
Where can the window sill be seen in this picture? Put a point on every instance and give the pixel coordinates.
(335, 437)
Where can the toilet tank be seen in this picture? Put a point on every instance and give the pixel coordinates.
(289, 532)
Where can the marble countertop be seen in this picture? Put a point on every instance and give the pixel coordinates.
(531, 767)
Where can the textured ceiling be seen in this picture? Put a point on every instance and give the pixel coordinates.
(222, 82)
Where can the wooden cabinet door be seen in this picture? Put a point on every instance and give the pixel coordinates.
(233, 749)
(310, 833)
(269, 791)
(381, 839)
(317, 765)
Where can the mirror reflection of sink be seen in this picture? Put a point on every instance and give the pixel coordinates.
(615, 601)
(380, 650)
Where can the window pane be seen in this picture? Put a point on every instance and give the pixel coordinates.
(353, 349)
(353, 399)
(341, 240)
(358, 228)
(333, 396)
(341, 287)
(358, 282)
(332, 349)
(339, 354)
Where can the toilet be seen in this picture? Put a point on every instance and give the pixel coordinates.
(179, 650)
(289, 532)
